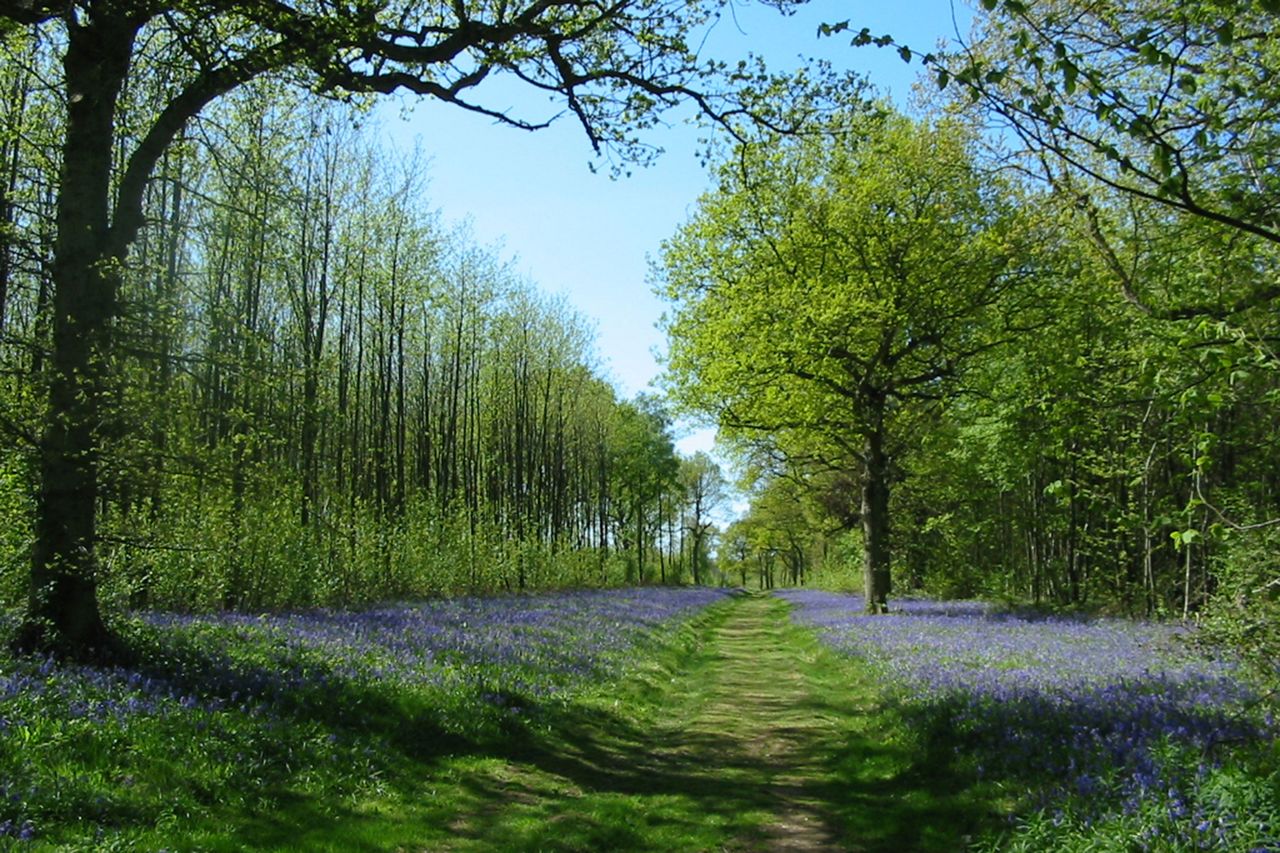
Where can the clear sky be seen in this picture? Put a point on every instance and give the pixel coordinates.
(588, 236)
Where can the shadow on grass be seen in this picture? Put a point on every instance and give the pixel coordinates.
(616, 789)
(595, 775)
(297, 687)
(905, 797)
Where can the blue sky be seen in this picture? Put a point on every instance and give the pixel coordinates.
(587, 236)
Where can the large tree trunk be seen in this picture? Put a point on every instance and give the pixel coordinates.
(63, 615)
(875, 522)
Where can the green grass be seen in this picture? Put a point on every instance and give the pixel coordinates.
(738, 731)
(675, 757)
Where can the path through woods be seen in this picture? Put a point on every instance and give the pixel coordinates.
(742, 733)
(758, 696)
(760, 739)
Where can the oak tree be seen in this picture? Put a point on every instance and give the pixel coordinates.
(835, 285)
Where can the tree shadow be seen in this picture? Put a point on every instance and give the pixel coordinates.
(704, 786)
(569, 776)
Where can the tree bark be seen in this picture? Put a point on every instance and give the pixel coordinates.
(63, 615)
(875, 521)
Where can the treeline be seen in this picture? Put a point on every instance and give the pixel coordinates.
(1022, 346)
(1107, 461)
(319, 392)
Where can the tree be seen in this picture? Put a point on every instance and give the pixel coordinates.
(704, 488)
(779, 524)
(614, 65)
(644, 464)
(833, 287)
(1155, 120)
(1181, 100)
(1176, 105)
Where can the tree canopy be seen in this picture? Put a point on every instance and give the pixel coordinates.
(833, 289)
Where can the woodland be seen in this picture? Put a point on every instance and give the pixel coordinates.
(269, 376)
(1018, 345)
(1032, 326)
(1022, 345)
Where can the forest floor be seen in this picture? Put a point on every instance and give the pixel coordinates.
(726, 727)
(750, 737)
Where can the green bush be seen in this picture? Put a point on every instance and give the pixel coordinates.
(1244, 612)
(15, 529)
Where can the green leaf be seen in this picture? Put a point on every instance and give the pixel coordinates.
(1070, 71)
(1187, 83)
(944, 77)
(905, 53)
(1163, 158)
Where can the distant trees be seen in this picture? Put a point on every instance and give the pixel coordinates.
(832, 290)
(130, 78)
(644, 460)
(705, 490)
(776, 538)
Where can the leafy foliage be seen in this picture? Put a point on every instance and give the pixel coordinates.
(830, 293)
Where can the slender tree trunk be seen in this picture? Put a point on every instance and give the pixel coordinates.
(875, 521)
(1073, 534)
(640, 541)
(63, 615)
(9, 154)
(662, 555)
(164, 343)
(44, 292)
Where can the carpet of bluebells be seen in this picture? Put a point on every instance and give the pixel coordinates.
(1098, 728)
(242, 703)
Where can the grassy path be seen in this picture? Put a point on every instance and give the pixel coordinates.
(755, 738)
(758, 696)
(745, 735)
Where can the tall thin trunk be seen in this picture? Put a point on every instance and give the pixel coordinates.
(162, 378)
(875, 520)
(9, 154)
